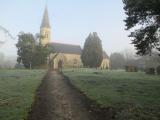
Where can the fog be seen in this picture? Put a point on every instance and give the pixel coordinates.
(7, 61)
(8, 49)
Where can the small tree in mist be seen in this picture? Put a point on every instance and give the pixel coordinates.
(92, 53)
(130, 57)
(117, 61)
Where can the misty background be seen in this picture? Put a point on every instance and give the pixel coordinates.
(71, 22)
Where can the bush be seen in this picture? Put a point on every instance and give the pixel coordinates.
(158, 70)
(19, 66)
(131, 69)
(150, 71)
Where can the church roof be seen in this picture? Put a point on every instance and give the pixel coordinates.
(66, 48)
(105, 56)
(45, 20)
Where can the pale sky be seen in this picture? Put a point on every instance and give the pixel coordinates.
(71, 21)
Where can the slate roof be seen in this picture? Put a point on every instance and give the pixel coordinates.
(45, 20)
(105, 55)
(66, 48)
(70, 49)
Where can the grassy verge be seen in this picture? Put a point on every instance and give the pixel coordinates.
(133, 96)
(17, 90)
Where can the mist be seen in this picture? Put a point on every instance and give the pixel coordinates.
(8, 50)
(7, 61)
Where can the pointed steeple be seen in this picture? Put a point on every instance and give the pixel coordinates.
(45, 29)
(45, 21)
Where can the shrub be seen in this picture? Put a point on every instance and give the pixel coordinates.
(131, 69)
(150, 71)
(19, 66)
(158, 70)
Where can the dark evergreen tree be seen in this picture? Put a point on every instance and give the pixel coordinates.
(92, 53)
(144, 14)
(85, 51)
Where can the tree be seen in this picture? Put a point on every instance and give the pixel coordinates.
(130, 57)
(148, 61)
(40, 55)
(92, 53)
(152, 61)
(51, 50)
(30, 54)
(144, 14)
(117, 61)
(26, 49)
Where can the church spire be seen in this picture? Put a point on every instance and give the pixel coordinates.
(45, 21)
(45, 29)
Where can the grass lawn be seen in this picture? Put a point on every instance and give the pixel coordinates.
(133, 96)
(17, 90)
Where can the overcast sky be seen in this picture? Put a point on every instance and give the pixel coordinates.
(71, 21)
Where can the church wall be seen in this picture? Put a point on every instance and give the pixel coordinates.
(105, 64)
(69, 60)
(59, 57)
(73, 60)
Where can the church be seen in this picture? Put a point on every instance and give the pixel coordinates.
(69, 55)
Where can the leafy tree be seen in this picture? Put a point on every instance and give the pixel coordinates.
(92, 53)
(26, 49)
(40, 55)
(30, 54)
(117, 61)
(158, 70)
(144, 15)
(50, 50)
(152, 61)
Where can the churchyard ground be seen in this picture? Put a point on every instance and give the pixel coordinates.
(133, 96)
(128, 95)
(17, 91)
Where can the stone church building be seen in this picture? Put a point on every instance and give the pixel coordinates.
(67, 54)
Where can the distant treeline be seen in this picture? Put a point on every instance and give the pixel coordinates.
(129, 59)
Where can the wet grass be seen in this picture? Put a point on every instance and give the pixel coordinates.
(133, 96)
(17, 90)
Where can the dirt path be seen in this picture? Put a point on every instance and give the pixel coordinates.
(56, 100)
